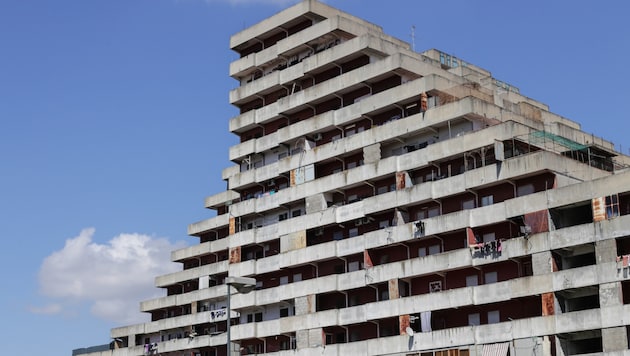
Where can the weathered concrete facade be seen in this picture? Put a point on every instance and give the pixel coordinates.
(390, 202)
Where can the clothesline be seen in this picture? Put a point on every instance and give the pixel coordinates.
(624, 259)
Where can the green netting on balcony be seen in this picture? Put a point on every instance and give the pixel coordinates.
(545, 138)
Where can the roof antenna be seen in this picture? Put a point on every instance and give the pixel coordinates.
(413, 37)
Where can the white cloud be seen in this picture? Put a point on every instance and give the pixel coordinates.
(112, 278)
(50, 309)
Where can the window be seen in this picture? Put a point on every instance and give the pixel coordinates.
(353, 232)
(350, 130)
(487, 200)
(284, 312)
(383, 224)
(284, 280)
(612, 206)
(297, 277)
(471, 280)
(468, 204)
(353, 266)
(422, 252)
(283, 216)
(490, 277)
(397, 151)
(296, 213)
(525, 189)
(473, 319)
(339, 269)
(494, 317)
(489, 237)
(257, 317)
(338, 235)
(434, 249)
(354, 300)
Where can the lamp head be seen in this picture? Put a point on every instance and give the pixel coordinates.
(241, 284)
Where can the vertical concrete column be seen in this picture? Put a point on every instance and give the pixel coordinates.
(610, 294)
(610, 299)
(307, 337)
(614, 339)
(372, 153)
(605, 250)
(393, 289)
(235, 254)
(315, 203)
(611, 304)
(305, 304)
(542, 263)
(301, 339)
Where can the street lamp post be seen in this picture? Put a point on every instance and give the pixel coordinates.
(242, 285)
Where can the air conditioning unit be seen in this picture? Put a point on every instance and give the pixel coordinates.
(317, 137)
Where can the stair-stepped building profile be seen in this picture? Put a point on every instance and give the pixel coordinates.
(394, 202)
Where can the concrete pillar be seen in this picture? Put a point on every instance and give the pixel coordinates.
(610, 294)
(315, 203)
(542, 263)
(309, 338)
(372, 153)
(305, 305)
(605, 250)
(301, 339)
(614, 339)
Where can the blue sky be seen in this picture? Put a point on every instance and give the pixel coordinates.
(114, 117)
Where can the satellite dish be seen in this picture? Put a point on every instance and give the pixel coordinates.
(409, 331)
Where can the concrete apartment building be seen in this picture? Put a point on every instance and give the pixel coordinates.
(390, 202)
